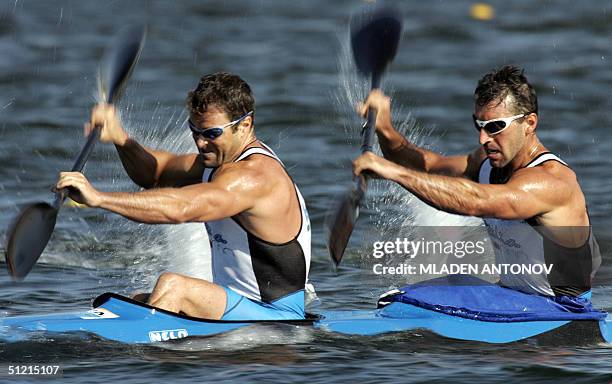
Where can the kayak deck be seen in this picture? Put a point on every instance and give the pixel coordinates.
(122, 319)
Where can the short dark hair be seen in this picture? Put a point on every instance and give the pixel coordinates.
(507, 80)
(225, 91)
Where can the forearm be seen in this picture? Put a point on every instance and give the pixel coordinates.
(156, 206)
(450, 194)
(141, 164)
(398, 149)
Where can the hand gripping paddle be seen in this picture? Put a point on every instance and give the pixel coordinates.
(375, 34)
(33, 226)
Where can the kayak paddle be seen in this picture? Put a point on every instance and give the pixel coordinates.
(33, 226)
(375, 34)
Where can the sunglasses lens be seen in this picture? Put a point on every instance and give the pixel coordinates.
(495, 126)
(212, 133)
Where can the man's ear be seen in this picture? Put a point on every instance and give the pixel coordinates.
(532, 123)
(246, 124)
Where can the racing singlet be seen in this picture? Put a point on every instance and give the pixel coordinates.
(522, 242)
(253, 267)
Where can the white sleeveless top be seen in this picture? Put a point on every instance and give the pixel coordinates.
(519, 242)
(253, 267)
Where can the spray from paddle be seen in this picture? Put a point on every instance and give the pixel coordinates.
(33, 227)
(375, 33)
(395, 211)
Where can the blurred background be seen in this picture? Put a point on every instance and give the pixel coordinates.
(296, 58)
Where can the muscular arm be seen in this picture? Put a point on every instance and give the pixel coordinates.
(146, 167)
(529, 193)
(151, 168)
(232, 192)
(398, 149)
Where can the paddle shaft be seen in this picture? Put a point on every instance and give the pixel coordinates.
(375, 34)
(367, 137)
(79, 163)
(120, 67)
(33, 227)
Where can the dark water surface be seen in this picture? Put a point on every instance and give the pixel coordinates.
(294, 55)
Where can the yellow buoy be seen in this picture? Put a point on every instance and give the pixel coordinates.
(482, 11)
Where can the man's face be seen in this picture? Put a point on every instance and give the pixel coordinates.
(222, 149)
(502, 147)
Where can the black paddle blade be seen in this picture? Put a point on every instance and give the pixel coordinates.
(375, 34)
(34, 225)
(28, 237)
(341, 220)
(120, 60)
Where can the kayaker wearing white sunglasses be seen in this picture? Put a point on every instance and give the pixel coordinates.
(529, 198)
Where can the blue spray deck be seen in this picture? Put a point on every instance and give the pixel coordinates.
(119, 318)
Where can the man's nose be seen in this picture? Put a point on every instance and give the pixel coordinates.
(485, 137)
(201, 142)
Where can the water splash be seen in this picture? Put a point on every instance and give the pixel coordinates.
(395, 211)
(178, 248)
(153, 249)
(244, 339)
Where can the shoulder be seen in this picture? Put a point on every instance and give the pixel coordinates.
(557, 169)
(549, 177)
(553, 169)
(255, 172)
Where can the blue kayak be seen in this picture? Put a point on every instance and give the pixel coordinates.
(485, 313)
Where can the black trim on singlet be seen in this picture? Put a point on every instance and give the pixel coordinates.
(546, 161)
(482, 163)
(495, 176)
(279, 269)
(265, 241)
(480, 169)
(572, 267)
(532, 220)
(297, 197)
(535, 158)
(557, 160)
(271, 155)
(491, 181)
(216, 168)
(211, 174)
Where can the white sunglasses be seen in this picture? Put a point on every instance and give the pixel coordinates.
(495, 126)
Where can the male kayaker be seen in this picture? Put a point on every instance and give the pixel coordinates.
(529, 198)
(255, 216)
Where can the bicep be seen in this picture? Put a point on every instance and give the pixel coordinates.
(523, 198)
(226, 196)
(178, 170)
(449, 165)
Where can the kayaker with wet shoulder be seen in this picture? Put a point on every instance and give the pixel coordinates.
(255, 216)
(529, 198)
